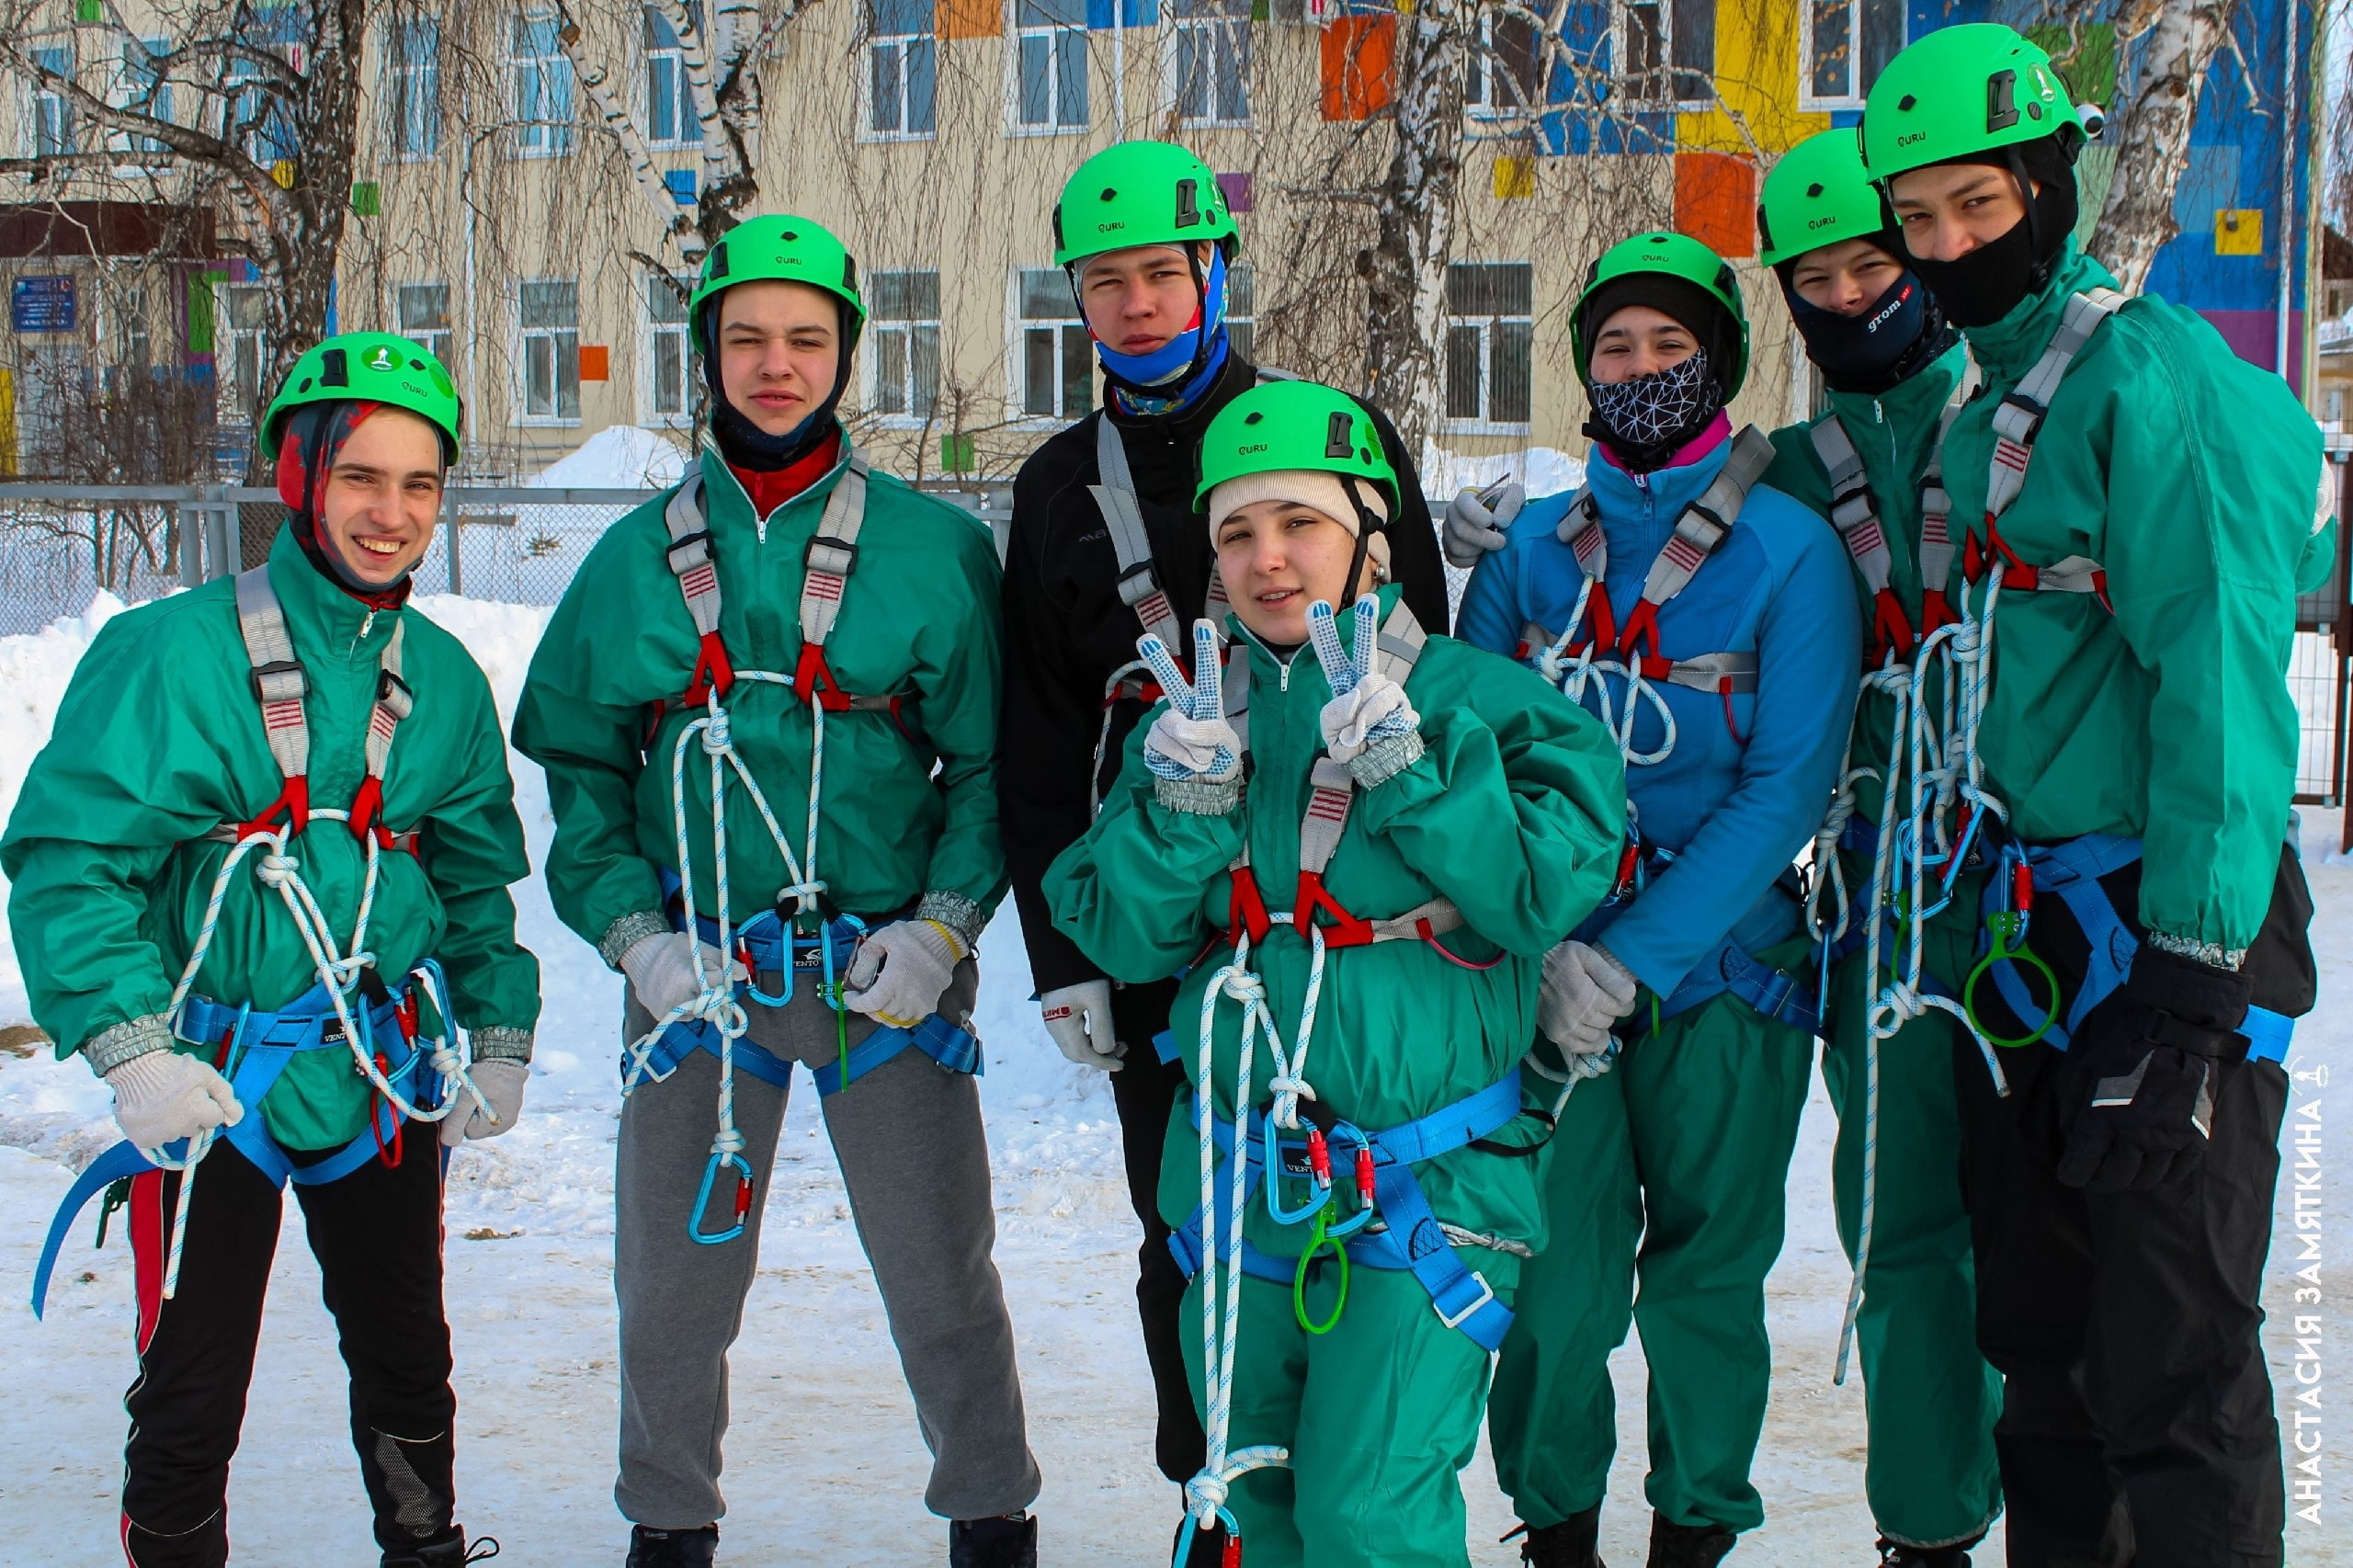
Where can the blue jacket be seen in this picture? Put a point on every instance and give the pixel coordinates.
(1734, 808)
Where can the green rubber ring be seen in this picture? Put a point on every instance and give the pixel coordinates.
(2001, 927)
(1317, 1242)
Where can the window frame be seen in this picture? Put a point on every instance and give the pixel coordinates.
(648, 357)
(1017, 361)
(1237, 24)
(521, 342)
(871, 40)
(1240, 281)
(1055, 35)
(228, 340)
(540, 138)
(1808, 100)
(1485, 58)
(1623, 82)
(1487, 325)
(672, 54)
(870, 352)
(405, 83)
(44, 106)
(422, 336)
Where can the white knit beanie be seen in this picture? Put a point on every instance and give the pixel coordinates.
(1314, 488)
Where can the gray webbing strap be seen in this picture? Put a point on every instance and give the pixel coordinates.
(1123, 515)
(1851, 512)
(832, 554)
(1706, 521)
(1935, 511)
(279, 681)
(2017, 419)
(690, 552)
(1736, 672)
(1399, 648)
(1580, 530)
(393, 703)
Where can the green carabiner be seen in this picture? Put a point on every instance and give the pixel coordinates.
(2002, 926)
(1317, 1242)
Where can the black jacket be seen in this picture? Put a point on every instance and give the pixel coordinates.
(1066, 629)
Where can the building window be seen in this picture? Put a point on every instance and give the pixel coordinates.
(240, 349)
(902, 322)
(1489, 336)
(423, 312)
(1049, 64)
(53, 116)
(143, 91)
(1212, 61)
(1241, 310)
(903, 68)
(412, 88)
(1505, 59)
(1057, 361)
(549, 314)
(543, 78)
(667, 396)
(1666, 51)
(1846, 44)
(257, 120)
(669, 102)
(135, 343)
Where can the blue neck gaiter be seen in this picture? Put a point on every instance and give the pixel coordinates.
(1172, 377)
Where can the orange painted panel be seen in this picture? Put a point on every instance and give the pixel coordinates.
(970, 19)
(1715, 201)
(596, 362)
(1359, 65)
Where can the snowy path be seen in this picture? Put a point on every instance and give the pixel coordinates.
(826, 1464)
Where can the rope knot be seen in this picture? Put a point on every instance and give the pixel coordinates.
(276, 870)
(717, 736)
(1204, 1495)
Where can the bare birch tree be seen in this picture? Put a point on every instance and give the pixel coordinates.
(2178, 40)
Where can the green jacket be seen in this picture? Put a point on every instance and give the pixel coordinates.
(2191, 476)
(1895, 435)
(908, 809)
(159, 740)
(1515, 810)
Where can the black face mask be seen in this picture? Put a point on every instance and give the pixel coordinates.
(1987, 284)
(743, 444)
(1873, 352)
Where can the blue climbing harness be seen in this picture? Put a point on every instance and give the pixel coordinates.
(2072, 871)
(257, 1047)
(1412, 1238)
(1781, 996)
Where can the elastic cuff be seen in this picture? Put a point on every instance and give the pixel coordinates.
(498, 1042)
(958, 914)
(2214, 955)
(1198, 796)
(628, 932)
(1385, 760)
(106, 1051)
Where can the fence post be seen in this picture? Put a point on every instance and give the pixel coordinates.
(451, 533)
(191, 527)
(220, 540)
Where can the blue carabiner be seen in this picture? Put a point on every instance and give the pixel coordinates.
(1960, 853)
(1365, 1206)
(751, 991)
(1192, 1524)
(702, 1200)
(1319, 1187)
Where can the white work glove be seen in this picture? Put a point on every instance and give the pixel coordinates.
(661, 970)
(1584, 992)
(1189, 741)
(164, 1096)
(1367, 712)
(900, 971)
(1475, 519)
(501, 1081)
(1079, 1017)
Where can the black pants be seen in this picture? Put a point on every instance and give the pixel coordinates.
(377, 1234)
(1144, 1090)
(2137, 1422)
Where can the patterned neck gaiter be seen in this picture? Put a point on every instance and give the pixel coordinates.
(1647, 419)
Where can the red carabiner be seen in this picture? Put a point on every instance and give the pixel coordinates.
(2022, 887)
(389, 1158)
(1364, 1176)
(1319, 1156)
(742, 1197)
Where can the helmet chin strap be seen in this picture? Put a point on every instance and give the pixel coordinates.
(1367, 521)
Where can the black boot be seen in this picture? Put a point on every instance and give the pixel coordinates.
(1007, 1542)
(673, 1549)
(1688, 1546)
(1895, 1554)
(1572, 1543)
(449, 1552)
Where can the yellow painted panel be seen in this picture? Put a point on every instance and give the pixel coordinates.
(2238, 230)
(1757, 85)
(8, 421)
(1515, 178)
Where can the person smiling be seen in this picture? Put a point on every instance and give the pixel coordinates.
(1891, 365)
(1704, 617)
(813, 893)
(2141, 507)
(167, 785)
(1436, 820)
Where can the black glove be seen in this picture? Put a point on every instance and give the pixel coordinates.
(2138, 1104)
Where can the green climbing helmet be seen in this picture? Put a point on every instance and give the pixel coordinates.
(1967, 89)
(1141, 193)
(370, 366)
(784, 247)
(1818, 195)
(1674, 255)
(1279, 426)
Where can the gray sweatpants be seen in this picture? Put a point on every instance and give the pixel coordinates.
(913, 1153)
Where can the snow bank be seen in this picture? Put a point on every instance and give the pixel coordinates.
(1545, 471)
(618, 457)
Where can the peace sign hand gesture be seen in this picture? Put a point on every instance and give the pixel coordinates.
(1193, 753)
(1368, 723)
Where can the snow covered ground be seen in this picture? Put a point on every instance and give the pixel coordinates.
(827, 1465)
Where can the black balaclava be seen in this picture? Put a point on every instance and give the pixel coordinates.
(1903, 330)
(1988, 283)
(307, 444)
(743, 444)
(1646, 421)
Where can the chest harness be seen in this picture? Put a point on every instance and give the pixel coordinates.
(1299, 1140)
(777, 941)
(1573, 662)
(1855, 515)
(350, 1006)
